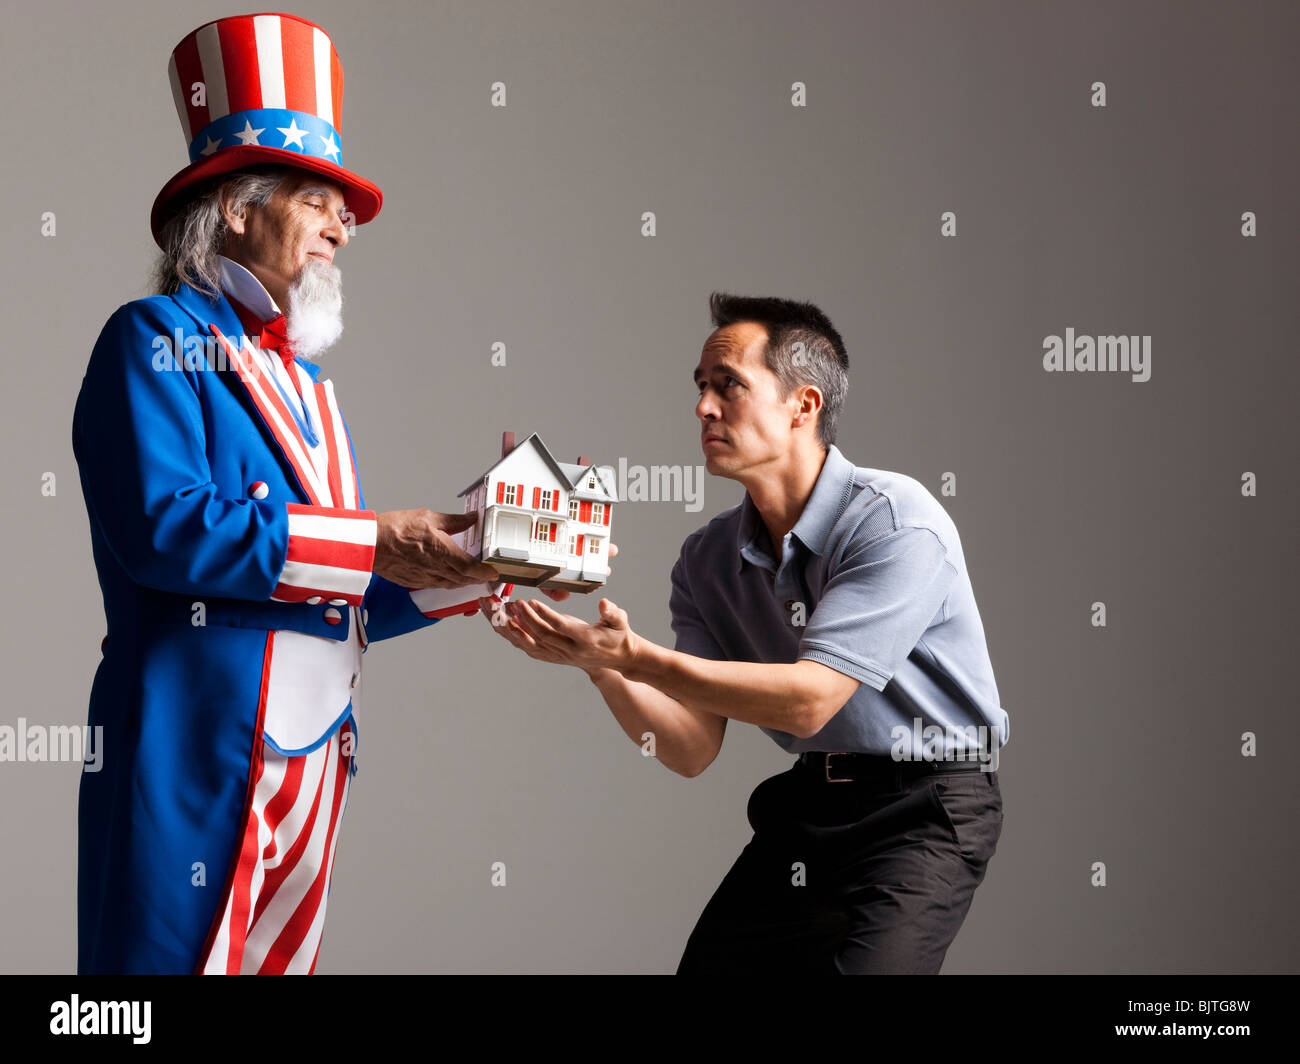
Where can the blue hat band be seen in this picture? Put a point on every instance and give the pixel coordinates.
(270, 127)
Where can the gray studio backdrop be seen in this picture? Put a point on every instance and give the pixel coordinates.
(522, 225)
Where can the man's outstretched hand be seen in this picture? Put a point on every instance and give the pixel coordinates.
(551, 636)
(414, 548)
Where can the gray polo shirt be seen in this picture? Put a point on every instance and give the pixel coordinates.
(871, 582)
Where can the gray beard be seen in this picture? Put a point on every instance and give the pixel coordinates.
(315, 315)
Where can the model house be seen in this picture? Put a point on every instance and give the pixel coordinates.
(541, 522)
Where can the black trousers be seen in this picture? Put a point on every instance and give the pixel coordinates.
(851, 878)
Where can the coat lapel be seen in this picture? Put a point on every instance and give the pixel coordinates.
(343, 480)
(344, 484)
(217, 318)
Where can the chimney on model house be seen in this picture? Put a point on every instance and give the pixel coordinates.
(507, 443)
(584, 461)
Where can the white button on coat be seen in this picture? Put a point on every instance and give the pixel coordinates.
(258, 489)
(314, 600)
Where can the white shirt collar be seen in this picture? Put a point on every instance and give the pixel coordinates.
(237, 281)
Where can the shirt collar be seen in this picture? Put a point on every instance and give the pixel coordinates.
(245, 289)
(825, 506)
(238, 282)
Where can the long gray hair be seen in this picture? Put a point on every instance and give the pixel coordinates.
(193, 237)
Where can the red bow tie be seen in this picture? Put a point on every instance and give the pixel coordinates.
(271, 336)
(275, 337)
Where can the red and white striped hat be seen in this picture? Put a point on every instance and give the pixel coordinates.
(264, 88)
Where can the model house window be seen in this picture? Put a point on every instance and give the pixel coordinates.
(591, 482)
(545, 532)
(597, 513)
(573, 544)
(510, 495)
(573, 509)
(593, 545)
(548, 500)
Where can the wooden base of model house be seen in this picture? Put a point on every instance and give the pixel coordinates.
(518, 570)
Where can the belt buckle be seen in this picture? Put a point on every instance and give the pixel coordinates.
(826, 767)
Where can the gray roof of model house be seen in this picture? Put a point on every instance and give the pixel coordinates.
(570, 473)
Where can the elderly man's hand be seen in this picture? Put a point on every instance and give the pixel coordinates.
(556, 595)
(414, 548)
(547, 635)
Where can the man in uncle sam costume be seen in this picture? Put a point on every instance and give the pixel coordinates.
(242, 574)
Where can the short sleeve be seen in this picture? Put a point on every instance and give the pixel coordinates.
(877, 604)
(693, 635)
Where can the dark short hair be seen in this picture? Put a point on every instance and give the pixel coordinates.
(803, 347)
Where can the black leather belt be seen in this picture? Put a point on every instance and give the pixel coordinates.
(842, 767)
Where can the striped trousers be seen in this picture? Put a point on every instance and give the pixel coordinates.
(274, 912)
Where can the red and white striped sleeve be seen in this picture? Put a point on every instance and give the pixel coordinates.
(331, 554)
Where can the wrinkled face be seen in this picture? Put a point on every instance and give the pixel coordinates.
(303, 218)
(744, 422)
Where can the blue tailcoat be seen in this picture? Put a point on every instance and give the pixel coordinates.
(166, 458)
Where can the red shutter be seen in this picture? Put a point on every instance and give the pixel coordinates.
(606, 513)
(501, 491)
(537, 498)
(555, 501)
(580, 539)
(584, 512)
(519, 498)
(554, 526)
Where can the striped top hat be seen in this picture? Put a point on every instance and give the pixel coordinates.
(255, 89)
